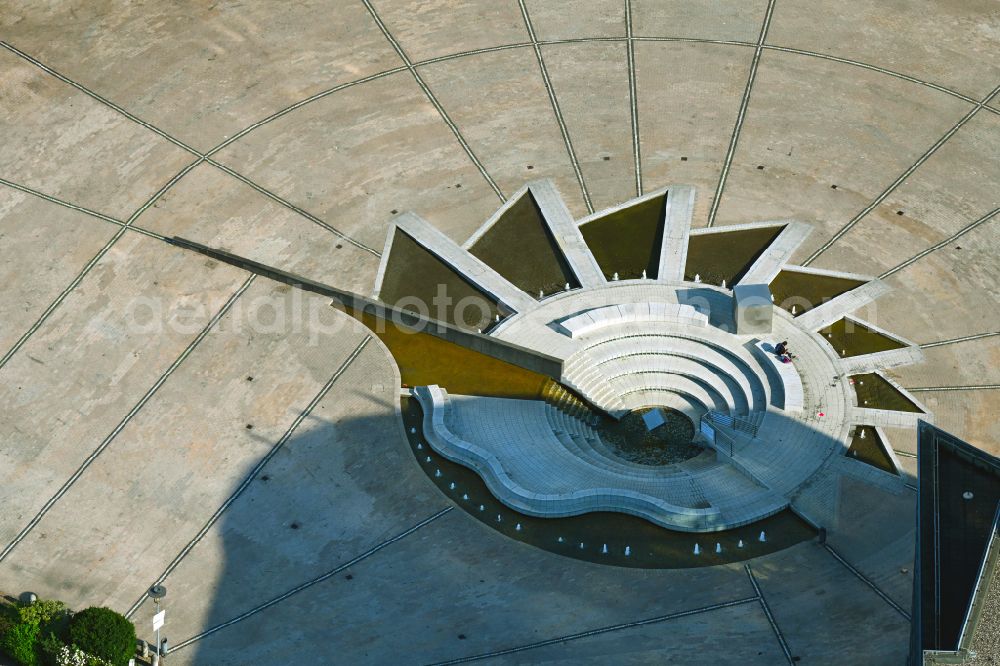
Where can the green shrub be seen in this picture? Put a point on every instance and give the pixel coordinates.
(48, 647)
(103, 633)
(19, 642)
(8, 618)
(43, 612)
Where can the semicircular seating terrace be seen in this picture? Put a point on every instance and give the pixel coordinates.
(621, 362)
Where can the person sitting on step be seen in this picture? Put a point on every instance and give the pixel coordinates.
(781, 348)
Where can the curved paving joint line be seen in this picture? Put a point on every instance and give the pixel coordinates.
(79, 209)
(983, 220)
(205, 157)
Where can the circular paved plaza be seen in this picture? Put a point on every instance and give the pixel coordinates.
(176, 417)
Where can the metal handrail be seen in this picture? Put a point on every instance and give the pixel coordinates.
(734, 422)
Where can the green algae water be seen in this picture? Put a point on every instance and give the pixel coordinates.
(627, 241)
(414, 275)
(726, 255)
(583, 537)
(521, 248)
(868, 447)
(874, 392)
(806, 291)
(849, 338)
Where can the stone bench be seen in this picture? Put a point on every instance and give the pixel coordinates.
(590, 321)
(791, 382)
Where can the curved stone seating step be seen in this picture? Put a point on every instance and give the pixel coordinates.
(606, 385)
(792, 398)
(655, 370)
(592, 448)
(512, 446)
(684, 404)
(736, 362)
(630, 384)
(590, 321)
(575, 441)
(595, 386)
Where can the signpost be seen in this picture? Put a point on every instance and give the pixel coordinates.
(156, 593)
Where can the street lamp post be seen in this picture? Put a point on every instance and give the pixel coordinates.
(156, 593)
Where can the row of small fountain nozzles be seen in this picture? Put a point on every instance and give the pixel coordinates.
(718, 546)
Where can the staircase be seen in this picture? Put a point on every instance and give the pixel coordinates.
(556, 395)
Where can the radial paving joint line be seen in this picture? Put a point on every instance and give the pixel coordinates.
(566, 233)
(902, 178)
(741, 114)
(292, 207)
(103, 100)
(834, 309)
(860, 576)
(676, 229)
(125, 421)
(633, 101)
(433, 100)
(770, 617)
(90, 265)
(555, 106)
(951, 239)
(60, 298)
(205, 157)
(967, 338)
(248, 479)
(60, 202)
(314, 581)
(466, 264)
(79, 209)
(777, 253)
(967, 387)
(597, 632)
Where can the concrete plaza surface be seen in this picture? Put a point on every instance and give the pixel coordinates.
(167, 417)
